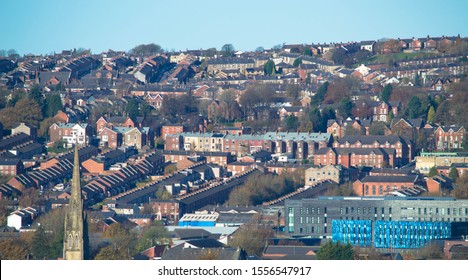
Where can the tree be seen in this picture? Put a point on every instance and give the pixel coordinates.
(36, 94)
(227, 50)
(25, 110)
(52, 222)
(277, 47)
(345, 107)
(112, 252)
(269, 68)
(259, 49)
(40, 245)
(391, 116)
(291, 123)
(417, 80)
(31, 198)
(453, 174)
(432, 172)
(156, 234)
(146, 50)
(293, 91)
(162, 193)
(461, 189)
(431, 251)
(386, 92)
(391, 46)
(169, 169)
(251, 238)
(335, 251)
(431, 114)
(307, 51)
(414, 108)
(52, 104)
(297, 62)
(132, 108)
(339, 56)
(377, 128)
(13, 249)
(318, 98)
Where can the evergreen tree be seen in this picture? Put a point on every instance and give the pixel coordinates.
(386, 93)
(431, 115)
(432, 172)
(269, 68)
(336, 251)
(36, 94)
(52, 104)
(40, 245)
(391, 116)
(132, 108)
(318, 98)
(453, 174)
(297, 62)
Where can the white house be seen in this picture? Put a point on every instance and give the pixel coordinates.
(22, 218)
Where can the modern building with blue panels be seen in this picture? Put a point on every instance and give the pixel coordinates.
(358, 233)
(396, 222)
(408, 235)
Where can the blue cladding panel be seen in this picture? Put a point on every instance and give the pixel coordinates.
(407, 235)
(355, 232)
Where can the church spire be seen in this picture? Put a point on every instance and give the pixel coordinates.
(73, 244)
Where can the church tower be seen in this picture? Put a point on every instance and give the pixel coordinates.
(73, 242)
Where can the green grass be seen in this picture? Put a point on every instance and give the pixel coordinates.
(384, 58)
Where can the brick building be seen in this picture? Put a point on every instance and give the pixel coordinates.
(70, 133)
(11, 166)
(171, 129)
(383, 185)
(449, 137)
(356, 157)
(403, 148)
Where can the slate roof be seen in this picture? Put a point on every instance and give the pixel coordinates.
(181, 253)
(390, 179)
(370, 139)
(205, 243)
(191, 233)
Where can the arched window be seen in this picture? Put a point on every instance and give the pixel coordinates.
(70, 241)
(373, 190)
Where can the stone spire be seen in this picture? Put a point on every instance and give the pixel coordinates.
(73, 244)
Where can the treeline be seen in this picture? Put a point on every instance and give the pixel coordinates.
(31, 108)
(265, 187)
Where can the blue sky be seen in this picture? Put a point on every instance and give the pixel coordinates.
(45, 26)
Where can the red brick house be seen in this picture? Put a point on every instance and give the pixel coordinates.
(174, 142)
(171, 129)
(449, 137)
(356, 157)
(416, 45)
(403, 148)
(381, 110)
(154, 100)
(110, 138)
(383, 185)
(438, 184)
(103, 122)
(11, 166)
(165, 209)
